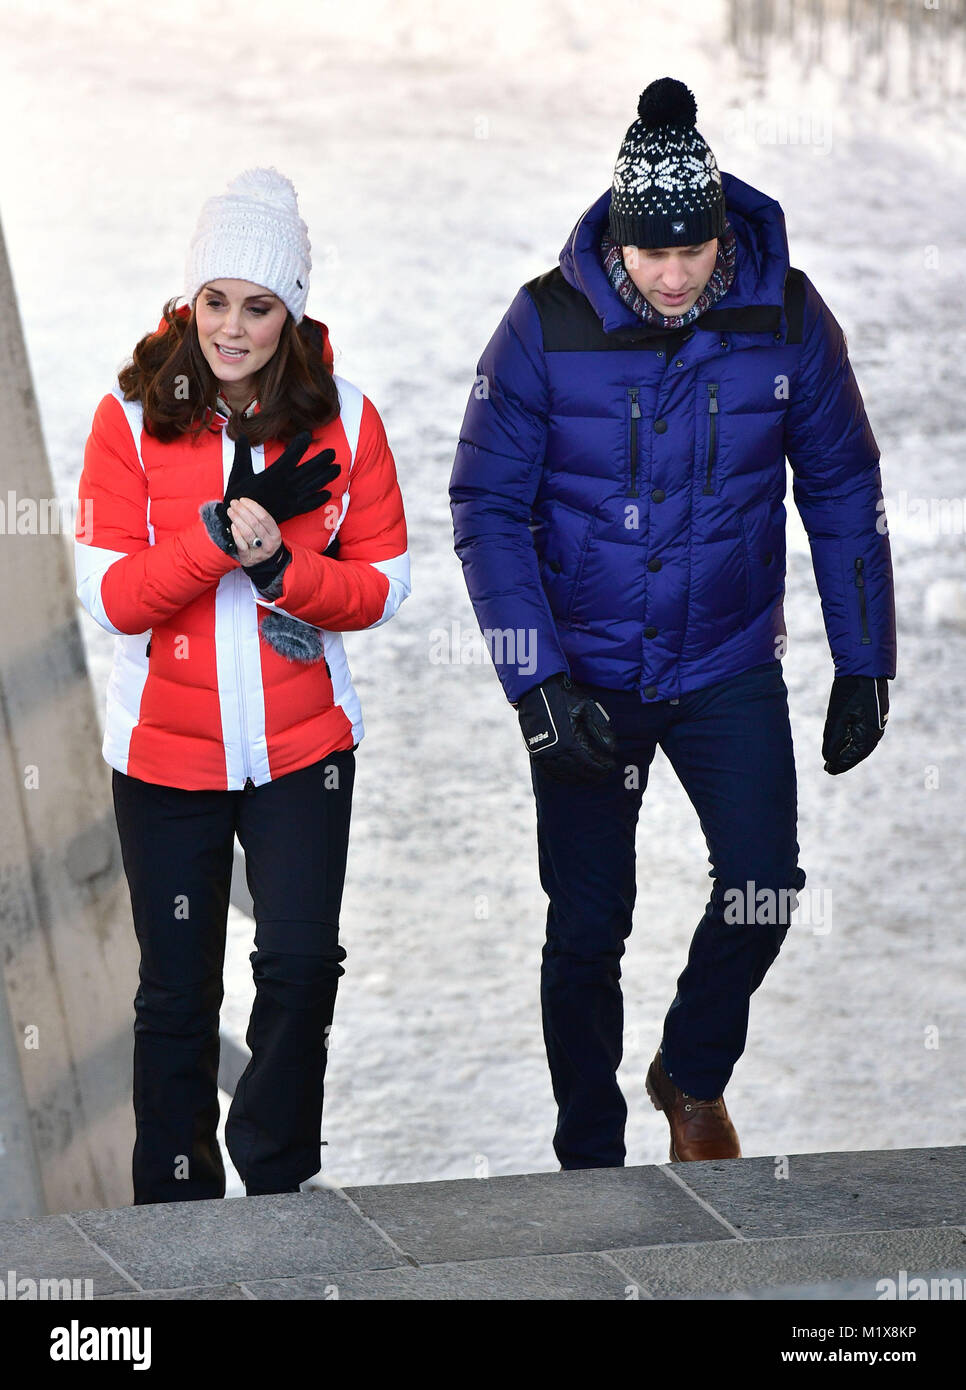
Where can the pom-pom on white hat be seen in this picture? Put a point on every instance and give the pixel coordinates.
(253, 232)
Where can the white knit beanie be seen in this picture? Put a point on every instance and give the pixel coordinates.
(253, 232)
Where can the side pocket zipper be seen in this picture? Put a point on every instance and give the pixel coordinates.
(860, 585)
(633, 392)
(712, 432)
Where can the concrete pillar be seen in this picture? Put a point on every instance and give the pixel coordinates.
(68, 955)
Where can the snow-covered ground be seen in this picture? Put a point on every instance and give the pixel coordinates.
(442, 154)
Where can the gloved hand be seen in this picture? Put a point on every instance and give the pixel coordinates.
(285, 488)
(857, 712)
(567, 733)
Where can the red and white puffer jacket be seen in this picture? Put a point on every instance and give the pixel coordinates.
(199, 697)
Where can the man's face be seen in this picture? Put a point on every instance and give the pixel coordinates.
(671, 277)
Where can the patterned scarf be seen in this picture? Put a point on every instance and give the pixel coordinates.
(717, 287)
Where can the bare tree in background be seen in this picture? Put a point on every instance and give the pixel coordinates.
(900, 48)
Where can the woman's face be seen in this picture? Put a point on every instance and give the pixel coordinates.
(239, 325)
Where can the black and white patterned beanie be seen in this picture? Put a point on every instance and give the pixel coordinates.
(667, 188)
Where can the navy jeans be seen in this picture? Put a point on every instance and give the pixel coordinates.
(177, 848)
(730, 746)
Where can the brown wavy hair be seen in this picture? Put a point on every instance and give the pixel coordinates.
(169, 375)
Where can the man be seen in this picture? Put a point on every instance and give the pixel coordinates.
(617, 496)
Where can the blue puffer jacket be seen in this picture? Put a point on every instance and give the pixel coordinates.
(623, 510)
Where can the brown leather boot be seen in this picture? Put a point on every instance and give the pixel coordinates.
(699, 1128)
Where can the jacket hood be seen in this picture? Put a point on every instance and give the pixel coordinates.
(761, 260)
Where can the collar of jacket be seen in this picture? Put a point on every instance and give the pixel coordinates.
(224, 406)
(751, 312)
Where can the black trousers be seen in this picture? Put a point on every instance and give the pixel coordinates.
(730, 745)
(177, 848)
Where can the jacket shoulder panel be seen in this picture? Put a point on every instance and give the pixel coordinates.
(571, 324)
(134, 415)
(794, 295)
(568, 319)
(351, 401)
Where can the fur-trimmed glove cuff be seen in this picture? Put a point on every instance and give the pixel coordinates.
(215, 516)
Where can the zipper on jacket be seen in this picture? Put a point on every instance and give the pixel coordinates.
(633, 392)
(243, 707)
(712, 431)
(860, 585)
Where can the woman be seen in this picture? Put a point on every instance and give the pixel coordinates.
(245, 513)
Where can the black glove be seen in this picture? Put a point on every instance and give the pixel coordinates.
(567, 733)
(285, 488)
(857, 712)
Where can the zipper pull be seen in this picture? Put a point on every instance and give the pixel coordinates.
(147, 649)
(860, 585)
(712, 434)
(249, 786)
(633, 392)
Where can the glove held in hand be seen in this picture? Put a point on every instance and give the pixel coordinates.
(285, 488)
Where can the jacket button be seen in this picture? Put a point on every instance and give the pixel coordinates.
(660, 426)
(723, 343)
(658, 495)
(654, 566)
(554, 566)
(660, 352)
(650, 691)
(650, 632)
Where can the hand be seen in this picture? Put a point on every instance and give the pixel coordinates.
(567, 733)
(284, 489)
(858, 709)
(250, 522)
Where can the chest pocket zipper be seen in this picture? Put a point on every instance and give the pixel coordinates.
(712, 433)
(860, 585)
(633, 392)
